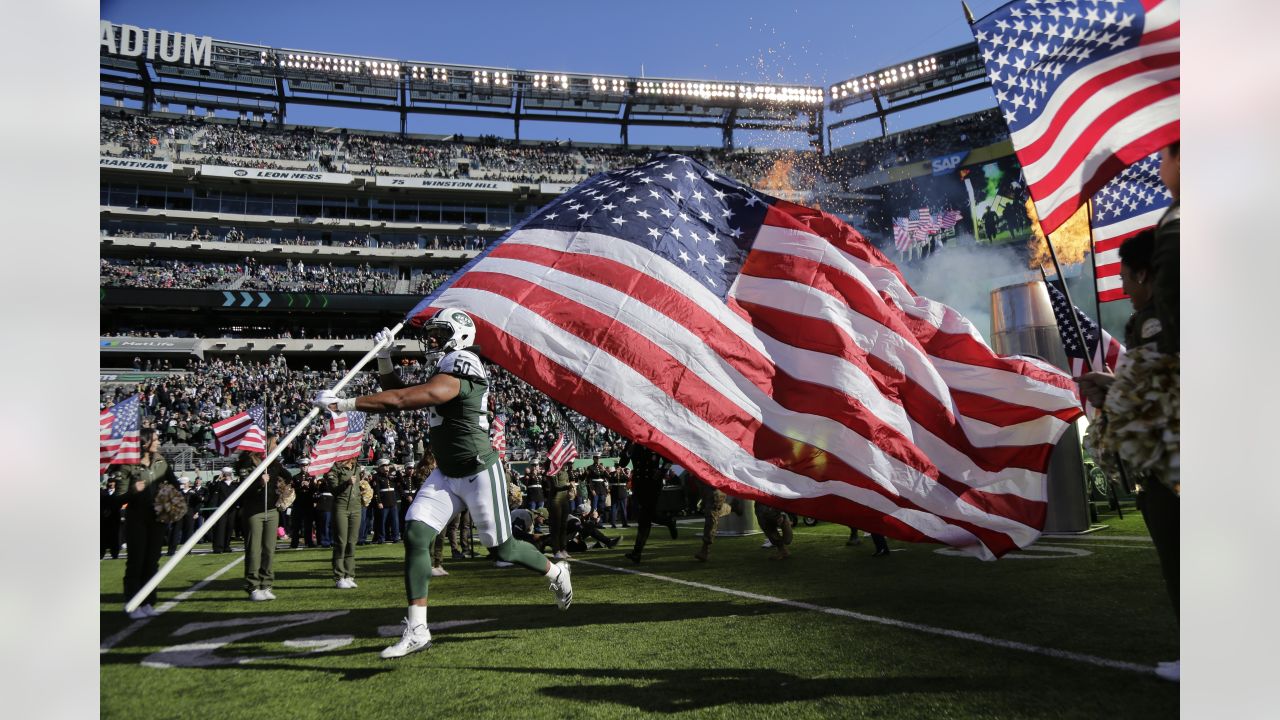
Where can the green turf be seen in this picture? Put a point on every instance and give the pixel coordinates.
(634, 646)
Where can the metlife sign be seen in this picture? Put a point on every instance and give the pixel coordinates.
(292, 176)
(948, 163)
(133, 41)
(116, 163)
(149, 345)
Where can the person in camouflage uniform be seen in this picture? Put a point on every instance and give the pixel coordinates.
(343, 481)
(713, 508)
(144, 534)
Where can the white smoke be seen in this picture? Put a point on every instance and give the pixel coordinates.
(963, 274)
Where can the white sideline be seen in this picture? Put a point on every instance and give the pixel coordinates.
(954, 634)
(136, 625)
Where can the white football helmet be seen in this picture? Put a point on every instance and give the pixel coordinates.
(448, 330)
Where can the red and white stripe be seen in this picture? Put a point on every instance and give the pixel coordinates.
(562, 452)
(236, 433)
(107, 446)
(335, 446)
(500, 437)
(1105, 117)
(825, 386)
(1106, 247)
(1106, 356)
(124, 450)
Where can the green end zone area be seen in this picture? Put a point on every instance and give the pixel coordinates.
(935, 636)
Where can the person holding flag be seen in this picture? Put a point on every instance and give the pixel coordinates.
(1158, 490)
(144, 533)
(334, 457)
(468, 474)
(562, 490)
(260, 515)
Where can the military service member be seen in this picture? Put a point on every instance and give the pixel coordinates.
(144, 534)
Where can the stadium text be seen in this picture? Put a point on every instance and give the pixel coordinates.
(169, 46)
(131, 164)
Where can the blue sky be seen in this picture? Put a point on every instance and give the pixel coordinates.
(749, 40)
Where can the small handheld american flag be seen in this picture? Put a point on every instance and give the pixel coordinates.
(1100, 352)
(242, 431)
(342, 441)
(561, 453)
(118, 434)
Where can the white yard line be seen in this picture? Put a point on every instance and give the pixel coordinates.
(944, 632)
(1099, 538)
(136, 625)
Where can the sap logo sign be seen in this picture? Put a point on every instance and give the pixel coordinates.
(947, 163)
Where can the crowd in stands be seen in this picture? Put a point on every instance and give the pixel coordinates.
(157, 273)
(138, 135)
(428, 281)
(491, 157)
(249, 163)
(438, 159)
(250, 274)
(259, 142)
(385, 241)
(315, 277)
(528, 164)
(968, 132)
(184, 406)
(239, 331)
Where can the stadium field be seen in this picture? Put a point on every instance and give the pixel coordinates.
(1070, 628)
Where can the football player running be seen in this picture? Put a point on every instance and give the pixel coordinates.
(469, 475)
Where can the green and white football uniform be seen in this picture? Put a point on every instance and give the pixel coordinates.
(468, 475)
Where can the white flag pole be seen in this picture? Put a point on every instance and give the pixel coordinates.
(226, 506)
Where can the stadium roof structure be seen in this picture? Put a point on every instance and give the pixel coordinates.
(158, 68)
(913, 83)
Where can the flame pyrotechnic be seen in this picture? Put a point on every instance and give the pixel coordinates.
(1071, 240)
(777, 181)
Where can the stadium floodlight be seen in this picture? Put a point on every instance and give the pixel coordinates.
(543, 81)
(902, 75)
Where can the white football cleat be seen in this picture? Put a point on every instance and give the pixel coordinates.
(414, 639)
(562, 586)
(351, 584)
(438, 571)
(257, 596)
(267, 594)
(341, 584)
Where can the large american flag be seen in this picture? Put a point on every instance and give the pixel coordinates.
(1087, 87)
(242, 431)
(564, 451)
(118, 434)
(1103, 355)
(1129, 204)
(342, 441)
(499, 439)
(771, 350)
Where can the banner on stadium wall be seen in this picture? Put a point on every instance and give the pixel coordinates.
(947, 163)
(116, 163)
(149, 345)
(554, 188)
(446, 184)
(294, 176)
